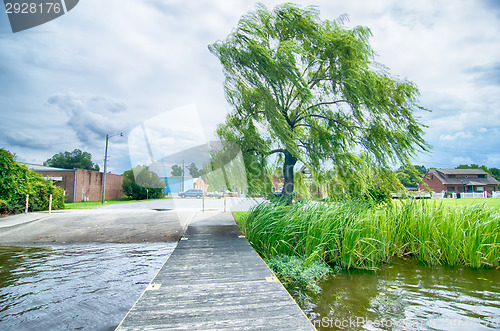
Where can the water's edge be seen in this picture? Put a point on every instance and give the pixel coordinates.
(77, 287)
(405, 295)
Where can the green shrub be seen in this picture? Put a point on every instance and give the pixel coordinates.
(298, 273)
(140, 183)
(4, 207)
(17, 181)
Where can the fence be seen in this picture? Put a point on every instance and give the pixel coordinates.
(434, 195)
(471, 195)
(438, 195)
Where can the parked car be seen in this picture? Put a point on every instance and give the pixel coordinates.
(195, 193)
(217, 195)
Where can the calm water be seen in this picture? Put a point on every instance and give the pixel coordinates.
(74, 287)
(406, 295)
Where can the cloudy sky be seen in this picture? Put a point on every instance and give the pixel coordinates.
(123, 66)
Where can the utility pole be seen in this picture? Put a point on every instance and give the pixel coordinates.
(105, 166)
(104, 174)
(182, 182)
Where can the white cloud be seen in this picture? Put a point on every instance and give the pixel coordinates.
(493, 159)
(166, 134)
(90, 117)
(143, 58)
(451, 137)
(462, 160)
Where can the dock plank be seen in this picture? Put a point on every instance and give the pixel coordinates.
(214, 280)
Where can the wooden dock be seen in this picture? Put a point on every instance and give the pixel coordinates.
(215, 280)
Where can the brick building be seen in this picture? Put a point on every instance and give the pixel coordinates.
(80, 184)
(460, 180)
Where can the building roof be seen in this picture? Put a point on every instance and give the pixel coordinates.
(462, 171)
(37, 167)
(442, 174)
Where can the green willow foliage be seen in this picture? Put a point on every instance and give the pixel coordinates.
(310, 90)
(17, 181)
(354, 234)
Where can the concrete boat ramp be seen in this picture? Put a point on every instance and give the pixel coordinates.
(215, 280)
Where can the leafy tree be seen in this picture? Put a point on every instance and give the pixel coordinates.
(140, 183)
(311, 91)
(410, 176)
(192, 168)
(472, 166)
(365, 181)
(194, 172)
(495, 172)
(70, 160)
(226, 169)
(176, 170)
(17, 181)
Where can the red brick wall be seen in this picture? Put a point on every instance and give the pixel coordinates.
(114, 187)
(433, 182)
(89, 185)
(67, 183)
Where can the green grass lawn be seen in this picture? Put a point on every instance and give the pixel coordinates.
(493, 203)
(95, 204)
(98, 204)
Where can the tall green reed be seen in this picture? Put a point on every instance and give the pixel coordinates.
(355, 234)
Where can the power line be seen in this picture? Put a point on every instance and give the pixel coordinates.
(63, 142)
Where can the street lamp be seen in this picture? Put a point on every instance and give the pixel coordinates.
(105, 163)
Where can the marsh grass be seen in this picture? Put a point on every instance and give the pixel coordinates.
(354, 234)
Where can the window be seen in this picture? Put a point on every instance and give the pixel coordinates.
(452, 176)
(450, 188)
(481, 176)
(480, 189)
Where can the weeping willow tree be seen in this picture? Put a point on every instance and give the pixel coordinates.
(310, 90)
(226, 169)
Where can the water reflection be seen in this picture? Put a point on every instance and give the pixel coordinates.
(407, 295)
(77, 287)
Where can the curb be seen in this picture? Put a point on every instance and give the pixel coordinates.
(21, 222)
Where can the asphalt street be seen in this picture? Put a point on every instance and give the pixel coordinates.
(146, 221)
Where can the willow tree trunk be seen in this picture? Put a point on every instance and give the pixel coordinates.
(288, 166)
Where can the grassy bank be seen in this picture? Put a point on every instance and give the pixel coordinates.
(492, 203)
(354, 234)
(96, 204)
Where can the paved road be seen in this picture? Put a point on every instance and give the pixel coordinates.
(149, 221)
(192, 204)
